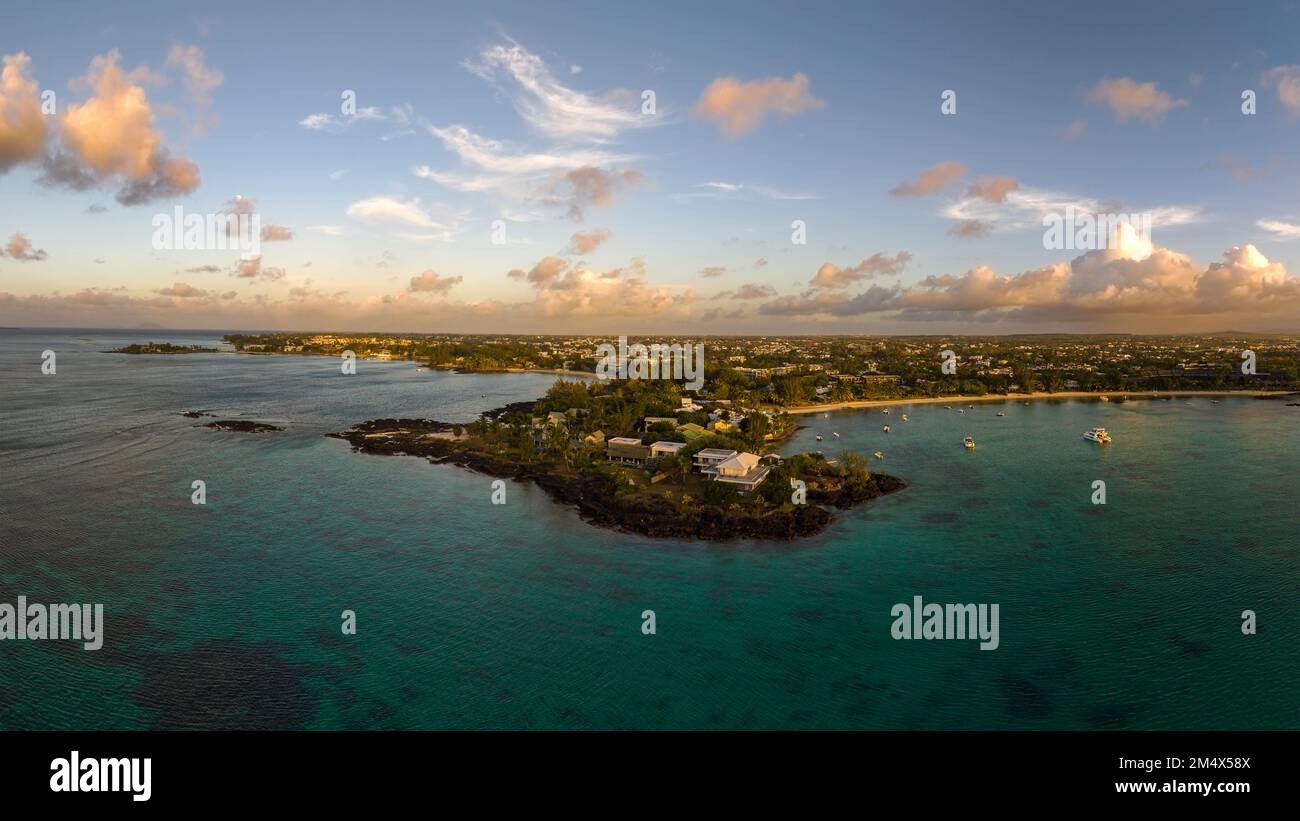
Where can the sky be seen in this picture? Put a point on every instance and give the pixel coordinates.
(681, 168)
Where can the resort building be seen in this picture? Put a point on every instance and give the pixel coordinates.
(626, 450)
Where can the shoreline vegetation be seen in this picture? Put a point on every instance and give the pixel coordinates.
(620, 454)
(162, 348)
(1114, 396)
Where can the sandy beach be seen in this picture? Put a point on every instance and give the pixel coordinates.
(932, 400)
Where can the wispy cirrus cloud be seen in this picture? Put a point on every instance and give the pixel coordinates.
(440, 223)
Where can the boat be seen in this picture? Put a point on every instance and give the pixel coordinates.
(819, 437)
(885, 411)
(880, 455)
(947, 407)
(904, 417)
(885, 428)
(1098, 435)
(1002, 413)
(970, 443)
(836, 435)
(961, 410)
(1104, 398)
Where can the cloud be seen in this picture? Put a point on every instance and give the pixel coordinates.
(969, 229)
(584, 242)
(588, 186)
(204, 269)
(1287, 80)
(760, 263)
(252, 269)
(1280, 229)
(545, 272)
(742, 192)
(199, 81)
(322, 121)
(738, 107)
(1129, 100)
(1241, 171)
(931, 181)
(747, 291)
(562, 290)
(111, 137)
(993, 189)
(327, 230)
(1100, 286)
(180, 289)
(831, 276)
(713, 271)
(430, 282)
(276, 233)
(550, 107)
(1074, 129)
(20, 248)
(22, 126)
(391, 212)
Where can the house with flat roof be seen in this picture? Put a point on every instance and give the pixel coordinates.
(658, 449)
(626, 450)
(707, 460)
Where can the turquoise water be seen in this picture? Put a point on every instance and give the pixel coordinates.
(472, 615)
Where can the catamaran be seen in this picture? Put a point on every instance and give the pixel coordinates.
(1098, 435)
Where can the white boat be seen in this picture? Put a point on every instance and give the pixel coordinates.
(961, 410)
(1105, 398)
(885, 428)
(904, 417)
(885, 411)
(970, 443)
(880, 455)
(836, 435)
(819, 437)
(1002, 413)
(1098, 435)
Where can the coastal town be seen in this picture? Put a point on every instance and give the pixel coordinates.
(785, 372)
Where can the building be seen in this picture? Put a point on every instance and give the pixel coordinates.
(596, 437)
(707, 460)
(665, 449)
(690, 431)
(689, 406)
(625, 450)
(744, 470)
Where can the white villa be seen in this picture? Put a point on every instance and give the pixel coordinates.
(742, 469)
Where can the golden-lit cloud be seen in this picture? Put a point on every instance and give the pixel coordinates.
(111, 137)
(22, 125)
(832, 276)
(584, 242)
(429, 281)
(738, 107)
(1131, 100)
(19, 248)
(931, 181)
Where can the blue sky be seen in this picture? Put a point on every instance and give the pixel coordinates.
(1116, 107)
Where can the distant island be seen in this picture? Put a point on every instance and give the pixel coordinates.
(639, 457)
(164, 348)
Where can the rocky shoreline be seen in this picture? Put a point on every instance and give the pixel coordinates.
(243, 426)
(634, 513)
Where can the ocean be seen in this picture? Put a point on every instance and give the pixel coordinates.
(474, 615)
